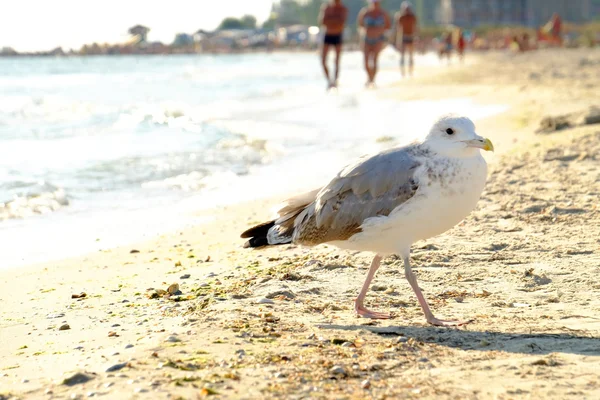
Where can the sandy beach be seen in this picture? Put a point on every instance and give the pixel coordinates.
(279, 322)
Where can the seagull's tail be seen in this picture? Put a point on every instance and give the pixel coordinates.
(280, 230)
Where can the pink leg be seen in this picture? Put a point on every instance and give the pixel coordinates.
(358, 303)
(412, 279)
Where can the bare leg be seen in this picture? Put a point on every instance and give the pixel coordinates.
(367, 54)
(402, 48)
(375, 56)
(338, 55)
(324, 52)
(358, 303)
(411, 61)
(412, 279)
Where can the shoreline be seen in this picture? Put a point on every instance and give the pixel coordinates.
(271, 323)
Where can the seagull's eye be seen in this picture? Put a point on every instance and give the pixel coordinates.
(450, 131)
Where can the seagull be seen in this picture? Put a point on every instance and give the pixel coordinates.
(386, 202)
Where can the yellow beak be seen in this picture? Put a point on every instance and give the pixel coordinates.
(481, 143)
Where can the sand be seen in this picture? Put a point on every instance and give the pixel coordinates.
(279, 323)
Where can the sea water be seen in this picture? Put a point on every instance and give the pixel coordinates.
(101, 151)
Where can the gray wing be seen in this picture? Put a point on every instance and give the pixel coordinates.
(370, 187)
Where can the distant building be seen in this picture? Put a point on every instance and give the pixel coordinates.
(472, 13)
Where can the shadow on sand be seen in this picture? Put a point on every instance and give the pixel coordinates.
(525, 343)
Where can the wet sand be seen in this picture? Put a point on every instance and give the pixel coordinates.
(279, 322)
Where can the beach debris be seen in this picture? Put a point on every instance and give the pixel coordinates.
(64, 327)
(134, 251)
(281, 293)
(264, 300)
(117, 367)
(337, 370)
(77, 378)
(79, 296)
(185, 276)
(172, 339)
(173, 289)
(592, 116)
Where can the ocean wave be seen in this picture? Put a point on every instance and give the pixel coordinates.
(33, 204)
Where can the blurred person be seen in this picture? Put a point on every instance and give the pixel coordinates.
(333, 17)
(445, 46)
(406, 30)
(374, 22)
(461, 44)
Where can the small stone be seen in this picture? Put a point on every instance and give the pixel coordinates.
(77, 378)
(134, 251)
(337, 370)
(280, 375)
(347, 344)
(366, 384)
(64, 327)
(129, 346)
(56, 315)
(116, 367)
(264, 300)
(185, 276)
(173, 289)
(48, 391)
(125, 301)
(91, 394)
(402, 339)
(211, 275)
(112, 334)
(172, 339)
(423, 359)
(79, 296)
(24, 380)
(240, 352)
(140, 390)
(108, 384)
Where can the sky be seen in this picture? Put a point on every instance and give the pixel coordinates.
(33, 25)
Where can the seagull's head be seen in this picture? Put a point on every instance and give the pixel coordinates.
(454, 136)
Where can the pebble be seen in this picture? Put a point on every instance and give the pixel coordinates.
(337, 370)
(125, 301)
(211, 275)
(366, 384)
(423, 359)
(264, 301)
(204, 285)
(402, 339)
(280, 375)
(129, 346)
(78, 348)
(140, 390)
(77, 378)
(48, 391)
(24, 380)
(173, 289)
(116, 367)
(91, 394)
(347, 344)
(108, 384)
(185, 276)
(172, 339)
(240, 352)
(57, 315)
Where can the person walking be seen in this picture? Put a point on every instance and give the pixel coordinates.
(333, 17)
